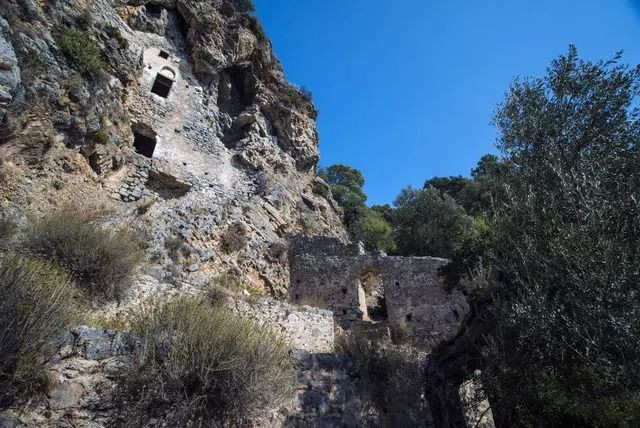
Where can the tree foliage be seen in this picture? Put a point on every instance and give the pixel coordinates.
(428, 223)
(362, 223)
(565, 264)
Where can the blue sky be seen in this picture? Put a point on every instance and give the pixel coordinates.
(406, 89)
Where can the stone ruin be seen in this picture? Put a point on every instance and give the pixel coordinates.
(405, 295)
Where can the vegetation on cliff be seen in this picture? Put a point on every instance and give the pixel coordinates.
(200, 364)
(101, 261)
(39, 303)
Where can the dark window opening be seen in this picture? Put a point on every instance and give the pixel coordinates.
(144, 145)
(94, 163)
(297, 297)
(344, 312)
(297, 281)
(163, 54)
(162, 86)
(409, 317)
(344, 291)
(455, 314)
(397, 283)
(155, 10)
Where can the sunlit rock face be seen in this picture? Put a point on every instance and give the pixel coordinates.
(188, 116)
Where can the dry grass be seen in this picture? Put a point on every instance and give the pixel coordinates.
(8, 229)
(38, 303)
(201, 365)
(107, 321)
(100, 261)
(234, 238)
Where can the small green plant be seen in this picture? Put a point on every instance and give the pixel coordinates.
(102, 137)
(38, 303)
(173, 244)
(101, 261)
(200, 364)
(230, 279)
(85, 20)
(115, 33)
(298, 98)
(81, 48)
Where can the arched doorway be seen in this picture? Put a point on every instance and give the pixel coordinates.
(370, 280)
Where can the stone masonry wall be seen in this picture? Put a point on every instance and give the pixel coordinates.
(328, 273)
(306, 328)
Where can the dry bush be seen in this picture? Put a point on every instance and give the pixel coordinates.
(234, 238)
(38, 303)
(107, 321)
(231, 279)
(8, 229)
(200, 364)
(390, 377)
(9, 172)
(100, 261)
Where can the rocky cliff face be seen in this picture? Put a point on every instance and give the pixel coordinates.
(172, 117)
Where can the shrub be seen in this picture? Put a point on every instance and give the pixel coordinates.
(81, 48)
(173, 244)
(390, 377)
(115, 33)
(374, 231)
(100, 261)
(8, 229)
(38, 302)
(298, 98)
(234, 238)
(102, 137)
(202, 365)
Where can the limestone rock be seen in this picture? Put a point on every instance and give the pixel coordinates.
(9, 69)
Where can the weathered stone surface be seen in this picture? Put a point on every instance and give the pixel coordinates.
(9, 69)
(305, 328)
(182, 169)
(409, 295)
(240, 157)
(477, 411)
(79, 378)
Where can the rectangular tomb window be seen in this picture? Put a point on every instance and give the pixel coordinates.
(144, 145)
(163, 54)
(162, 86)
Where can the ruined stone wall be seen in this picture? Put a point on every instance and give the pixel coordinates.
(304, 328)
(417, 302)
(331, 274)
